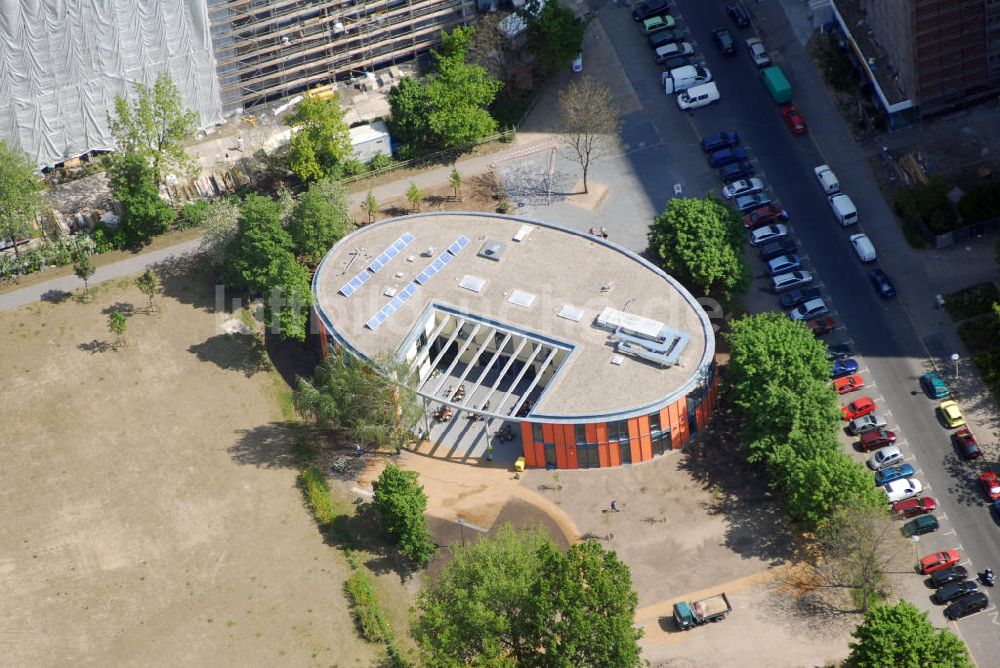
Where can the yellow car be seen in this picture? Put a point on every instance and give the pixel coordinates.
(952, 415)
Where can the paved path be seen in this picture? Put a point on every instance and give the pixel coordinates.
(132, 265)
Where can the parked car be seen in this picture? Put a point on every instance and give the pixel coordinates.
(966, 444)
(838, 351)
(742, 187)
(990, 484)
(843, 367)
(793, 119)
(782, 265)
(858, 408)
(724, 41)
(915, 507)
(768, 233)
(764, 216)
(827, 179)
(951, 414)
(791, 280)
(867, 423)
(773, 249)
(739, 170)
(947, 575)
(900, 490)
(954, 590)
(864, 247)
(672, 50)
(809, 309)
(656, 24)
(658, 39)
(848, 384)
(719, 140)
(878, 438)
(967, 605)
(651, 8)
(673, 62)
(920, 526)
(738, 13)
(885, 457)
(899, 472)
(822, 326)
(727, 156)
(745, 203)
(796, 297)
(938, 560)
(758, 54)
(883, 286)
(934, 385)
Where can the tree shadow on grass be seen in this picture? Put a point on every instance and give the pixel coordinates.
(125, 308)
(756, 524)
(95, 346)
(235, 352)
(271, 445)
(363, 533)
(56, 296)
(292, 359)
(190, 280)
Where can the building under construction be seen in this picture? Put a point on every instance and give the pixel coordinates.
(269, 49)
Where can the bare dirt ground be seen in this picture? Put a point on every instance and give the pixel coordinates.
(479, 192)
(148, 500)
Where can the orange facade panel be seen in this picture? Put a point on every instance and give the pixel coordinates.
(602, 432)
(646, 444)
(592, 434)
(614, 450)
(604, 455)
(572, 461)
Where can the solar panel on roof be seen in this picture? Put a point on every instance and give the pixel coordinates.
(397, 302)
(459, 243)
(364, 277)
(347, 290)
(407, 238)
(375, 321)
(446, 258)
(392, 251)
(376, 265)
(437, 265)
(399, 245)
(409, 290)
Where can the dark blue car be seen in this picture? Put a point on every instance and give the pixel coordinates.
(727, 156)
(737, 170)
(886, 476)
(843, 368)
(883, 286)
(796, 297)
(719, 140)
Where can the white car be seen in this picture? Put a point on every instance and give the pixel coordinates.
(900, 490)
(827, 179)
(885, 457)
(811, 309)
(864, 247)
(762, 235)
(758, 54)
(742, 187)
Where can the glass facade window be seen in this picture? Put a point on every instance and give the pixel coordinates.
(550, 455)
(661, 442)
(581, 434)
(626, 452)
(618, 431)
(536, 432)
(654, 423)
(587, 456)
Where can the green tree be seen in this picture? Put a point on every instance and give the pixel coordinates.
(409, 107)
(814, 488)
(414, 196)
(319, 220)
(288, 298)
(145, 214)
(455, 181)
(148, 284)
(20, 195)
(458, 94)
(702, 240)
(401, 504)
(84, 268)
(374, 403)
(220, 225)
(555, 35)
(322, 141)
(511, 599)
(371, 207)
(590, 119)
(155, 125)
(258, 246)
(117, 324)
(901, 636)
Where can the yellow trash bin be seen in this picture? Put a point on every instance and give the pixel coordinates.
(519, 465)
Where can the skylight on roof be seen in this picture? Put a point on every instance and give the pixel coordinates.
(473, 283)
(521, 298)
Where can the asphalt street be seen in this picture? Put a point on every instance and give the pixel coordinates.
(896, 340)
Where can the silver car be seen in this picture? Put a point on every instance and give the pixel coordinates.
(758, 54)
(742, 187)
(746, 203)
(810, 309)
(863, 425)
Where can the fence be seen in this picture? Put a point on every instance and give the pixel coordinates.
(969, 232)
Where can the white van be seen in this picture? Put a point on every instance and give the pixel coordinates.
(864, 247)
(682, 78)
(698, 96)
(843, 209)
(827, 179)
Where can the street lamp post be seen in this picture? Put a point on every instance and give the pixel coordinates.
(954, 358)
(461, 527)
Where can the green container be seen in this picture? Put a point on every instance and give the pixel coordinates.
(776, 84)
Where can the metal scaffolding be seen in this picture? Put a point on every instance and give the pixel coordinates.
(270, 49)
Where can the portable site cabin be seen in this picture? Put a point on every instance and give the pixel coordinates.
(370, 140)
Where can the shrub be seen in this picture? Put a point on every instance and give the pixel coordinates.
(58, 253)
(366, 608)
(192, 214)
(317, 494)
(352, 167)
(379, 162)
(929, 204)
(981, 202)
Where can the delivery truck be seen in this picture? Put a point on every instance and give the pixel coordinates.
(776, 84)
(711, 609)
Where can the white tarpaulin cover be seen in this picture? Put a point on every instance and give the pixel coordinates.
(62, 62)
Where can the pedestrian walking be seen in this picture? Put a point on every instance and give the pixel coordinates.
(239, 143)
(614, 506)
(593, 231)
(604, 232)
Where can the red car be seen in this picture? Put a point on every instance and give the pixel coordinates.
(765, 215)
(848, 384)
(821, 326)
(966, 443)
(879, 438)
(938, 560)
(990, 484)
(796, 124)
(858, 408)
(914, 507)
